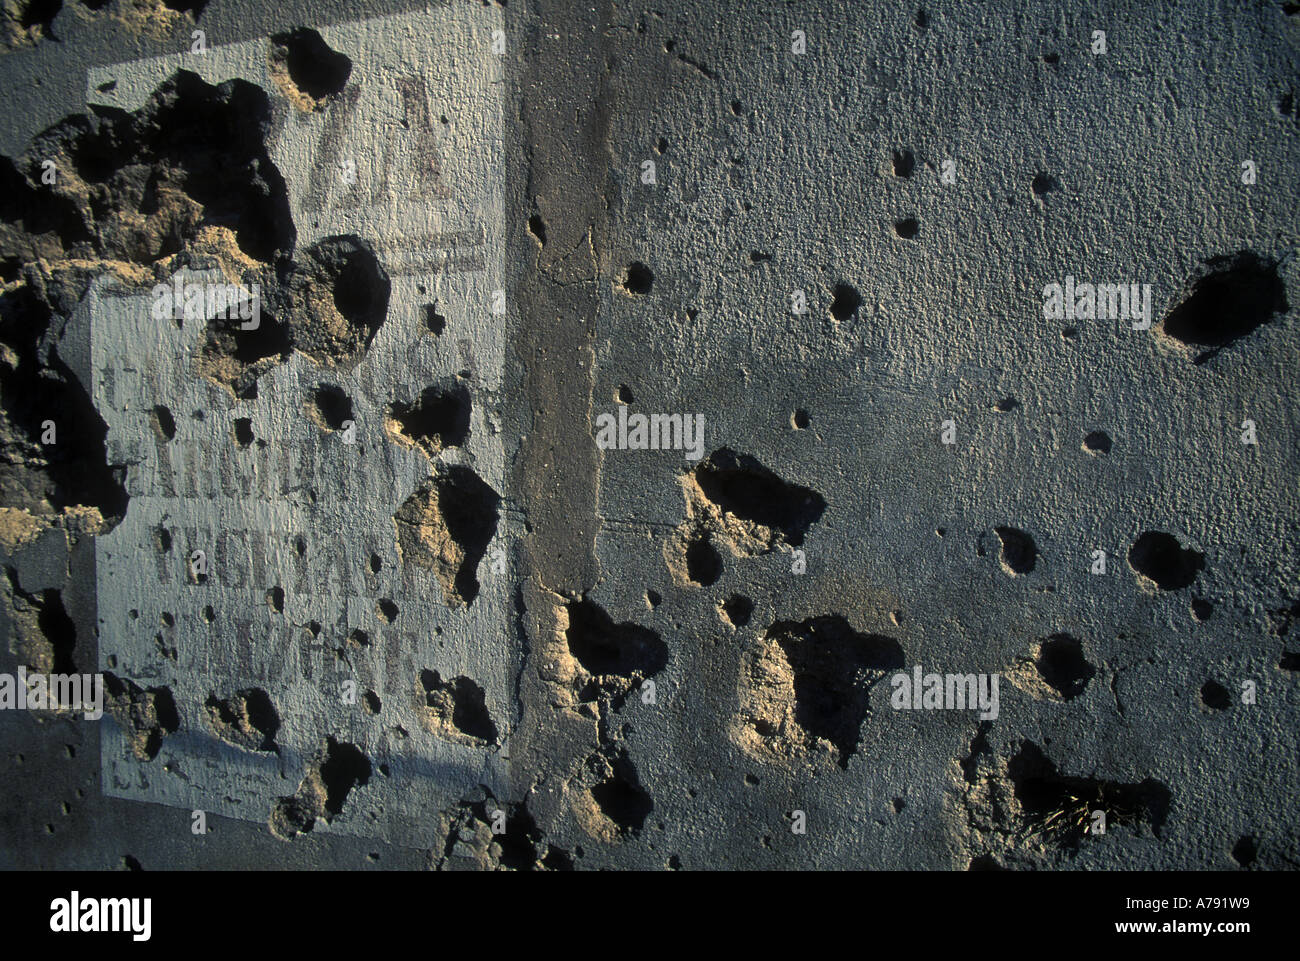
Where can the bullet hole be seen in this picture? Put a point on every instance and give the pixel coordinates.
(899, 804)
(1059, 808)
(1230, 296)
(663, 146)
(336, 298)
(1097, 442)
(703, 563)
(985, 862)
(845, 302)
(800, 420)
(1201, 609)
(243, 432)
(1062, 665)
(1006, 405)
(904, 163)
(751, 780)
(739, 485)
(537, 227)
(371, 704)
(209, 614)
(343, 769)
(358, 639)
(1159, 558)
(164, 425)
(907, 228)
(1019, 553)
(602, 647)
(386, 610)
(1051, 59)
(247, 719)
(376, 564)
(621, 798)
(330, 407)
(1245, 851)
(624, 394)
(314, 628)
(457, 707)
(758, 257)
(108, 86)
(162, 539)
(639, 279)
(434, 321)
(275, 599)
(1043, 183)
(1289, 661)
(1070, 333)
(737, 108)
(810, 681)
(446, 526)
(145, 716)
(1215, 695)
(314, 69)
(653, 598)
(922, 20)
(738, 609)
(438, 419)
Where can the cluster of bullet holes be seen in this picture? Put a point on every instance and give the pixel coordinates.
(638, 279)
(1161, 560)
(845, 301)
(1230, 296)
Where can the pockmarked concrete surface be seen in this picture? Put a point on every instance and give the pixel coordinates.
(475, 436)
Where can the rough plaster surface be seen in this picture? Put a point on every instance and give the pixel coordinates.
(677, 655)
